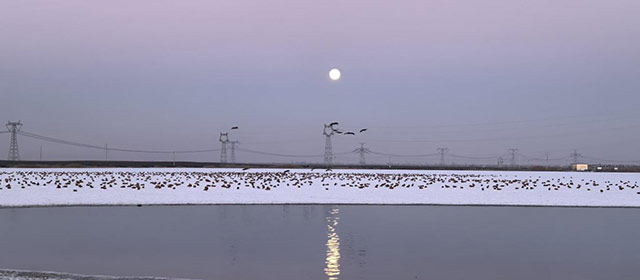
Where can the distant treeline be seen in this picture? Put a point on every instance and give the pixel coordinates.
(190, 164)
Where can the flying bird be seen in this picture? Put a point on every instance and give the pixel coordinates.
(235, 127)
(363, 130)
(333, 123)
(349, 133)
(246, 168)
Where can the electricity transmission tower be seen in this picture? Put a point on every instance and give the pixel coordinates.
(14, 127)
(224, 140)
(362, 151)
(546, 159)
(442, 151)
(234, 144)
(328, 151)
(513, 156)
(575, 155)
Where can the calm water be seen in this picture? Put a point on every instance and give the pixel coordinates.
(325, 242)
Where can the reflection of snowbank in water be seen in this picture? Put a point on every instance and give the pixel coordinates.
(42, 275)
(131, 186)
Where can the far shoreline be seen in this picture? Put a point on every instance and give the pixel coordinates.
(54, 275)
(197, 164)
(320, 204)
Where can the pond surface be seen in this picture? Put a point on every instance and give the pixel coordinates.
(325, 242)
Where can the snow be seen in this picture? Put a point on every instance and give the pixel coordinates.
(151, 186)
(48, 275)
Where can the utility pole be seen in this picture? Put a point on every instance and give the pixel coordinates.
(174, 159)
(106, 152)
(234, 144)
(575, 155)
(513, 152)
(328, 151)
(40, 152)
(362, 151)
(224, 139)
(442, 151)
(14, 152)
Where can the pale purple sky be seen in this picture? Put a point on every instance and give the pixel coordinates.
(478, 77)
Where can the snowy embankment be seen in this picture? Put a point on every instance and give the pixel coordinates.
(46, 275)
(132, 186)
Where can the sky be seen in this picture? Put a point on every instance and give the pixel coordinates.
(476, 77)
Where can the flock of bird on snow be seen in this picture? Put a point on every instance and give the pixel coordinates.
(268, 180)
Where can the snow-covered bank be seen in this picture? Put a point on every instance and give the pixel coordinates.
(118, 186)
(46, 275)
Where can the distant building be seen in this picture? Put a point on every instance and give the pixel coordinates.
(580, 167)
(614, 168)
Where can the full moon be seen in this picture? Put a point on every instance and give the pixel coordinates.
(334, 74)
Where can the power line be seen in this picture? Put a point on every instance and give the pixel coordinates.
(470, 157)
(610, 160)
(164, 152)
(59, 141)
(473, 157)
(396, 155)
(66, 142)
(276, 154)
(630, 113)
(71, 143)
(541, 159)
(537, 136)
